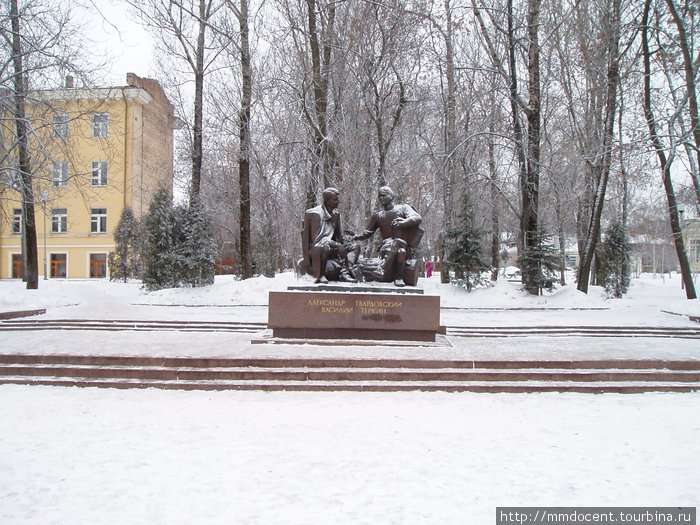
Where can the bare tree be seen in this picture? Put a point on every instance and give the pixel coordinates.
(442, 23)
(31, 269)
(379, 50)
(526, 143)
(241, 13)
(37, 50)
(664, 161)
(594, 123)
(181, 26)
(531, 187)
(357, 94)
(495, 197)
(321, 34)
(682, 20)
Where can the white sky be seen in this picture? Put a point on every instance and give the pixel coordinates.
(116, 35)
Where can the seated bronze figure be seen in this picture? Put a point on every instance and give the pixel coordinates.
(399, 226)
(329, 255)
(326, 254)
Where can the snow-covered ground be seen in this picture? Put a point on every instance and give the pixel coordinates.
(652, 301)
(91, 456)
(647, 290)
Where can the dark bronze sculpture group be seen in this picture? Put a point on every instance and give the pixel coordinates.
(331, 256)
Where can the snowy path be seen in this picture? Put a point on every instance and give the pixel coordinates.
(94, 456)
(223, 344)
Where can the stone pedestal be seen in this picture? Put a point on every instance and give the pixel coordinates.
(329, 314)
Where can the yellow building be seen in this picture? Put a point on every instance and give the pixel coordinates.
(93, 152)
(691, 239)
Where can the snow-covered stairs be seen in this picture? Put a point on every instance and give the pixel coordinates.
(376, 375)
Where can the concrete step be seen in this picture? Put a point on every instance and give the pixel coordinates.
(11, 323)
(130, 325)
(351, 373)
(194, 362)
(364, 386)
(625, 376)
(575, 331)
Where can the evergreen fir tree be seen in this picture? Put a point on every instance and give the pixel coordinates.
(160, 267)
(125, 260)
(616, 256)
(196, 250)
(442, 254)
(541, 262)
(180, 250)
(265, 253)
(464, 247)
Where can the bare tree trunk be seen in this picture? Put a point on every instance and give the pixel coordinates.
(623, 172)
(493, 174)
(197, 151)
(244, 136)
(382, 147)
(450, 135)
(324, 167)
(602, 164)
(664, 162)
(171, 20)
(690, 81)
(31, 260)
(384, 139)
(517, 126)
(450, 118)
(562, 238)
(530, 194)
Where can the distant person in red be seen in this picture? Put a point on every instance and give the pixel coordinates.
(429, 269)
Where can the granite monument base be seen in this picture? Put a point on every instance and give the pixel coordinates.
(354, 315)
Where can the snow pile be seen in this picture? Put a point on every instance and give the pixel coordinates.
(661, 292)
(506, 294)
(55, 293)
(225, 291)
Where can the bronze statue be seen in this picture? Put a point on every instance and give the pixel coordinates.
(399, 226)
(326, 253)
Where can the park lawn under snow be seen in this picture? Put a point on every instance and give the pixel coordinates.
(655, 291)
(652, 301)
(93, 456)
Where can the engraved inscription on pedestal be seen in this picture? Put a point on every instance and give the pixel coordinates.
(351, 315)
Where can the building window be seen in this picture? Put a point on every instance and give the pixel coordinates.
(59, 264)
(59, 174)
(60, 126)
(100, 125)
(694, 250)
(98, 173)
(17, 220)
(59, 220)
(17, 266)
(98, 220)
(98, 265)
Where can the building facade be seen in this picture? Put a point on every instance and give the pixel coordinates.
(691, 239)
(94, 152)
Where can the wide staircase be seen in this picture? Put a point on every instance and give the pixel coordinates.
(367, 375)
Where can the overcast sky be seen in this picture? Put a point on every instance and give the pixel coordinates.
(115, 34)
